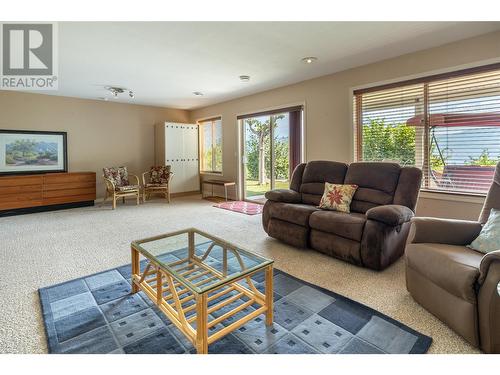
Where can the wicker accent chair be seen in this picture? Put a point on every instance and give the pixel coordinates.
(157, 181)
(118, 184)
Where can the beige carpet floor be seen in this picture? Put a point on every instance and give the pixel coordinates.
(43, 249)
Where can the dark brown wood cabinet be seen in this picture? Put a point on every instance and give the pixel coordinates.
(41, 192)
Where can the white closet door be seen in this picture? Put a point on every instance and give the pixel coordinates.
(191, 142)
(181, 152)
(173, 142)
(191, 157)
(173, 155)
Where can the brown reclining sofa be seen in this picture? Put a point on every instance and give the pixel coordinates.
(373, 235)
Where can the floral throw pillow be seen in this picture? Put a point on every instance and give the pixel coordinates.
(123, 176)
(160, 175)
(489, 238)
(337, 197)
(112, 174)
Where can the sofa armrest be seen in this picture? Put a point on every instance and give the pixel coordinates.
(391, 214)
(144, 179)
(136, 178)
(445, 231)
(110, 185)
(488, 302)
(284, 195)
(485, 264)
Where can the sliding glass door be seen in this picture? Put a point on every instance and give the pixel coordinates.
(269, 151)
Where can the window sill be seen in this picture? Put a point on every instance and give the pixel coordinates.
(454, 197)
(211, 174)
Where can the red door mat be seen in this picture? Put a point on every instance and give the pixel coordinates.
(241, 206)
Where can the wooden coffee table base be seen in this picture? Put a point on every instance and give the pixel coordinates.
(189, 310)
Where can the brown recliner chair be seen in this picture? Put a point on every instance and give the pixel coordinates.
(458, 285)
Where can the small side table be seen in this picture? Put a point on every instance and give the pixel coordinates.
(218, 183)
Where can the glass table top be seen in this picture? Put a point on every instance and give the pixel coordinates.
(210, 263)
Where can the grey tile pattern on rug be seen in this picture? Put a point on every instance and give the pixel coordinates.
(290, 344)
(97, 314)
(387, 336)
(136, 326)
(323, 335)
(314, 299)
(259, 336)
(71, 305)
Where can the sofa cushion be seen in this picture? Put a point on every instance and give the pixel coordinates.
(296, 179)
(123, 176)
(340, 223)
(290, 233)
(406, 194)
(377, 183)
(159, 174)
(127, 188)
(335, 246)
(453, 268)
(112, 174)
(292, 213)
(315, 174)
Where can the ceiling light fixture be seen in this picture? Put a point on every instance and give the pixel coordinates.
(115, 91)
(244, 78)
(197, 93)
(309, 59)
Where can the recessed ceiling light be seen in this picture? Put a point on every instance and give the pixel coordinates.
(309, 59)
(197, 93)
(244, 78)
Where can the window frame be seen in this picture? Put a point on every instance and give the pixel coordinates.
(213, 124)
(357, 96)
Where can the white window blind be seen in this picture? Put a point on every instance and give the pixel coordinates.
(447, 125)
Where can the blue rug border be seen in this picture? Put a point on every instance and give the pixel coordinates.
(421, 346)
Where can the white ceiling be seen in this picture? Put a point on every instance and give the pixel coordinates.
(164, 62)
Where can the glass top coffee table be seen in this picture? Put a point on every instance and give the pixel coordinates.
(202, 283)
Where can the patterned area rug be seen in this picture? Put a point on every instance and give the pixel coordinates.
(97, 314)
(241, 206)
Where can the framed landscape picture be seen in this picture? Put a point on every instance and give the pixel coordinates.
(27, 152)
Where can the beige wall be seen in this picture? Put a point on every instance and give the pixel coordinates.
(328, 107)
(104, 133)
(99, 133)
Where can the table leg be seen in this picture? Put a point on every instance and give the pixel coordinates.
(191, 246)
(224, 261)
(136, 267)
(159, 287)
(225, 192)
(201, 324)
(269, 295)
